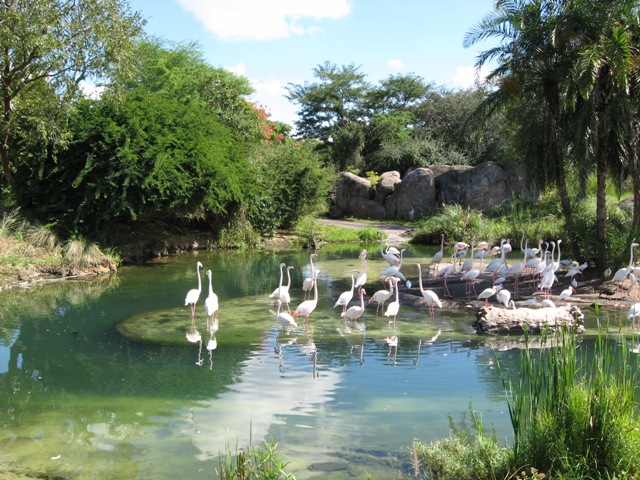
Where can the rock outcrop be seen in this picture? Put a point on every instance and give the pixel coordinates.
(505, 321)
(424, 190)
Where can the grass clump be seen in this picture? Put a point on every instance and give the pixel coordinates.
(257, 463)
(573, 415)
(466, 453)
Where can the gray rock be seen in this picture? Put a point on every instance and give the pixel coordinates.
(355, 196)
(414, 197)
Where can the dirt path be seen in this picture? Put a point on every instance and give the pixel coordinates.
(396, 234)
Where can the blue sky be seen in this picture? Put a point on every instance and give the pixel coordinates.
(277, 42)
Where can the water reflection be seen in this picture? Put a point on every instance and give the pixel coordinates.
(125, 401)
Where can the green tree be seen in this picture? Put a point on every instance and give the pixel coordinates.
(57, 44)
(145, 153)
(607, 71)
(535, 56)
(332, 111)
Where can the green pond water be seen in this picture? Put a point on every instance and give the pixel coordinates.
(98, 379)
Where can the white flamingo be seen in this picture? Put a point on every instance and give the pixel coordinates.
(394, 269)
(345, 297)
(308, 306)
(429, 295)
(285, 319)
(394, 307)
(307, 284)
(210, 303)
(437, 258)
(381, 296)
(623, 273)
(362, 278)
(194, 294)
(634, 313)
(504, 296)
(444, 273)
(389, 257)
(354, 312)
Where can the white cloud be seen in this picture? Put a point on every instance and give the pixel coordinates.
(261, 20)
(467, 77)
(271, 95)
(395, 64)
(239, 69)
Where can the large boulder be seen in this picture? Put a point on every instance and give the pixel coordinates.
(355, 196)
(414, 197)
(483, 187)
(387, 185)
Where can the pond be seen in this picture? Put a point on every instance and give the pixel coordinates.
(99, 380)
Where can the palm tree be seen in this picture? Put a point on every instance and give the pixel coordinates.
(607, 74)
(535, 58)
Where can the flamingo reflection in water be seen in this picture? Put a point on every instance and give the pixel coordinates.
(426, 341)
(355, 338)
(193, 335)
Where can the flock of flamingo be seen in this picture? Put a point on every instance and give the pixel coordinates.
(539, 266)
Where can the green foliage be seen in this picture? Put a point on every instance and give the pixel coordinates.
(289, 182)
(618, 221)
(255, 464)
(539, 220)
(152, 152)
(454, 221)
(466, 453)
(49, 47)
(404, 154)
(572, 418)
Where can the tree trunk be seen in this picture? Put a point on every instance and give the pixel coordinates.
(601, 208)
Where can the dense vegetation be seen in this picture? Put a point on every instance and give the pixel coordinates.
(171, 141)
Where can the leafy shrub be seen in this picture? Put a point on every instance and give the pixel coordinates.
(289, 182)
(404, 154)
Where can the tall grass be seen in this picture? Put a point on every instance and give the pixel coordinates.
(573, 415)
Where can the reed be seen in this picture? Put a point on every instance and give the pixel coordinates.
(573, 414)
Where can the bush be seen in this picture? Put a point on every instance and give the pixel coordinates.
(289, 182)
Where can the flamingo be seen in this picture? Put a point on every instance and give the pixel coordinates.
(391, 250)
(429, 295)
(516, 270)
(276, 292)
(211, 302)
(459, 252)
(355, 311)
(634, 313)
(623, 273)
(394, 269)
(444, 274)
(394, 307)
(469, 278)
(504, 297)
(389, 257)
(381, 296)
(345, 297)
(468, 263)
(496, 263)
(437, 258)
(308, 306)
(307, 285)
(285, 319)
(194, 294)
(529, 302)
(282, 292)
(362, 278)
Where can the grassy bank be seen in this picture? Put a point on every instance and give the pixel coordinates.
(29, 251)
